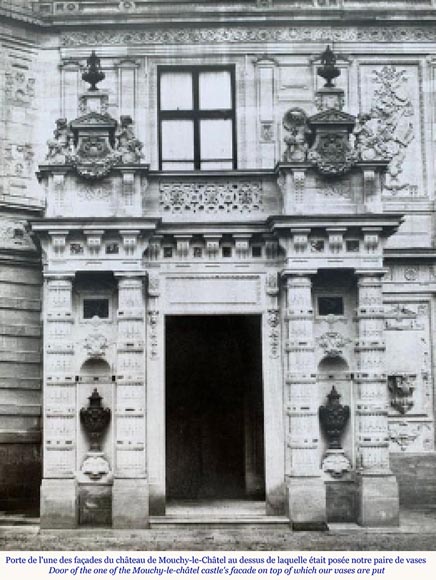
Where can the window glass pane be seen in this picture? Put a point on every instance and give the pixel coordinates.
(177, 165)
(330, 305)
(216, 139)
(215, 90)
(176, 91)
(212, 165)
(95, 307)
(177, 140)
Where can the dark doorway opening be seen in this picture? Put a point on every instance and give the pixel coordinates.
(214, 408)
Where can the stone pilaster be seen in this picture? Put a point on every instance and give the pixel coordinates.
(130, 489)
(306, 490)
(378, 503)
(58, 489)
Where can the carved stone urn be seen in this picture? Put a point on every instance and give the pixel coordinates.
(95, 418)
(334, 418)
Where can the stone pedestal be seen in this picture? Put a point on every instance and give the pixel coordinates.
(378, 501)
(59, 506)
(95, 504)
(307, 503)
(130, 498)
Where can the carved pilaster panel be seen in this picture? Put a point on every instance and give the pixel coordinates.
(372, 404)
(409, 375)
(303, 426)
(391, 97)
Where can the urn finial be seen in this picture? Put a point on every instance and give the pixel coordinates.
(328, 69)
(93, 74)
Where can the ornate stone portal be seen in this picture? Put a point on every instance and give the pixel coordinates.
(112, 279)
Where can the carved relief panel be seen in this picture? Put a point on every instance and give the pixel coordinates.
(409, 376)
(390, 126)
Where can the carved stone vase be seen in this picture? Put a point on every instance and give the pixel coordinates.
(334, 418)
(95, 418)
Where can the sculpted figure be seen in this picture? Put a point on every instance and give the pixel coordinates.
(59, 148)
(294, 123)
(127, 144)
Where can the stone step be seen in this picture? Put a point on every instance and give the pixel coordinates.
(215, 520)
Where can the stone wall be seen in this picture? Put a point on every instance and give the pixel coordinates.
(20, 270)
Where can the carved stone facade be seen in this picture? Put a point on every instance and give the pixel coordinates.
(292, 239)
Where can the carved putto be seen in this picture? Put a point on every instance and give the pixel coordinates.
(297, 133)
(93, 144)
(127, 144)
(60, 148)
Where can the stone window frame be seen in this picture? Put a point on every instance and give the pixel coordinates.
(196, 114)
(89, 295)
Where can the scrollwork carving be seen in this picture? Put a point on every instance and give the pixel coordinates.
(387, 130)
(333, 343)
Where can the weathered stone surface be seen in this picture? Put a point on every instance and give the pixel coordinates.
(130, 504)
(378, 502)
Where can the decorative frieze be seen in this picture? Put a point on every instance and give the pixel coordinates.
(245, 34)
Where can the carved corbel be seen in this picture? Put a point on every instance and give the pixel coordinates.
(130, 240)
(336, 239)
(93, 240)
(155, 247)
(58, 240)
(371, 239)
(300, 239)
(242, 246)
(212, 246)
(183, 244)
(271, 247)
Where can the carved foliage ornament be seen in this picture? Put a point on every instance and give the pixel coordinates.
(239, 34)
(333, 343)
(96, 345)
(401, 388)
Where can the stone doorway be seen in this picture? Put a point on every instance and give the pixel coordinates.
(214, 408)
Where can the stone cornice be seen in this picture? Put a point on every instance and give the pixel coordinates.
(256, 14)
